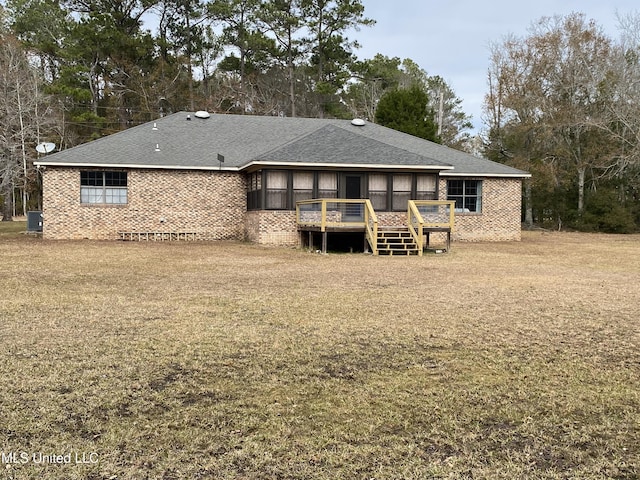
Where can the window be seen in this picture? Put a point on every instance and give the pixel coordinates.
(277, 183)
(327, 185)
(281, 189)
(467, 195)
(254, 190)
(302, 186)
(378, 193)
(426, 187)
(401, 192)
(103, 187)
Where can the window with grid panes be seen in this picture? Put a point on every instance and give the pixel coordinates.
(467, 194)
(103, 187)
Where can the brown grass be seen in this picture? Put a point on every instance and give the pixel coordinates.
(232, 361)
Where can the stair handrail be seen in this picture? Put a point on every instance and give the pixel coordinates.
(417, 233)
(371, 225)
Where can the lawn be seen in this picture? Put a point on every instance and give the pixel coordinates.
(232, 361)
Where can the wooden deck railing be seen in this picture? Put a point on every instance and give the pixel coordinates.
(423, 217)
(323, 213)
(428, 215)
(415, 222)
(371, 224)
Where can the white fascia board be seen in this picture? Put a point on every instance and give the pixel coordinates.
(247, 166)
(342, 166)
(486, 175)
(134, 166)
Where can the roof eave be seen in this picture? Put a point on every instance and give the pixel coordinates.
(446, 170)
(492, 175)
(342, 166)
(136, 166)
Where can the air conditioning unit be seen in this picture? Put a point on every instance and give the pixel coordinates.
(34, 221)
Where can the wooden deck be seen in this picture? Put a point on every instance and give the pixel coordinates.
(338, 215)
(357, 215)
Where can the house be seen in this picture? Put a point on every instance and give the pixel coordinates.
(241, 177)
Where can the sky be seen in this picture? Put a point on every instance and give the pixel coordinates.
(451, 38)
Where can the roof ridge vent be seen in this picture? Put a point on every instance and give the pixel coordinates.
(358, 122)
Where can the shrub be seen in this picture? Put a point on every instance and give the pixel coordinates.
(605, 213)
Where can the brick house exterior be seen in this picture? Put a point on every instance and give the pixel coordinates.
(210, 204)
(178, 181)
(269, 227)
(500, 219)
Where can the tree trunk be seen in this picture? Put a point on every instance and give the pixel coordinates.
(23, 151)
(292, 89)
(528, 206)
(320, 60)
(581, 175)
(292, 80)
(7, 207)
(243, 97)
(189, 60)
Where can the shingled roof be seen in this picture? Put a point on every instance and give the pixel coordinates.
(186, 141)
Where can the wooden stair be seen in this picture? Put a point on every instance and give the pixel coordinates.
(396, 241)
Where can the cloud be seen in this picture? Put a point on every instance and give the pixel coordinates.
(452, 38)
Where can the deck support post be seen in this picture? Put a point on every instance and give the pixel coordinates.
(310, 241)
(324, 242)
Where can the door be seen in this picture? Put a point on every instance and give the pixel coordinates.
(353, 186)
(353, 190)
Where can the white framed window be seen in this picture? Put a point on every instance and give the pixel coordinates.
(103, 187)
(467, 195)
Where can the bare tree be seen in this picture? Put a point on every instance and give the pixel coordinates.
(622, 91)
(546, 97)
(22, 114)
